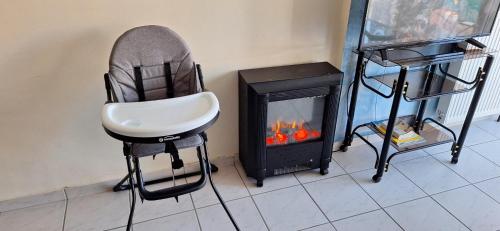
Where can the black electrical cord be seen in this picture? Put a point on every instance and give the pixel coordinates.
(408, 49)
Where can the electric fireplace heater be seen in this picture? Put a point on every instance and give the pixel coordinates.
(287, 118)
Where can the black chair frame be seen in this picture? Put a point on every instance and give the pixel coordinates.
(133, 164)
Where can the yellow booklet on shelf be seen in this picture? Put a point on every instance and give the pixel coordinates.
(402, 135)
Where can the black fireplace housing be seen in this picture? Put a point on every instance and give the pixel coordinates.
(287, 118)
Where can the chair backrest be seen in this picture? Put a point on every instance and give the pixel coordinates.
(140, 63)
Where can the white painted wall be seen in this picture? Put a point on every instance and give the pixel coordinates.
(54, 53)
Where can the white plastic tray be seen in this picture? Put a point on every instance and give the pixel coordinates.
(160, 117)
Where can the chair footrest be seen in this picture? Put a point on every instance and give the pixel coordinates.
(122, 186)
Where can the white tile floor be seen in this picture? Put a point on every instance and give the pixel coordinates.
(421, 191)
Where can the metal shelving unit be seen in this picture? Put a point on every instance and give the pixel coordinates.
(421, 78)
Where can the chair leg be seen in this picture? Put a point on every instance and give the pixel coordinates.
(120, 185)
(132, 190)
(214, 188)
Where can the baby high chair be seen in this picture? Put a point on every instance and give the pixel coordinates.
(155, 106)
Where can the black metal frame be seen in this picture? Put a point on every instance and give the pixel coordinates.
(121, 186)
(133, 163)
(399, 92)
(175, 191)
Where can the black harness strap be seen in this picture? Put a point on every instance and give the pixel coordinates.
(138, 84)
(170, 147)
(169, 81)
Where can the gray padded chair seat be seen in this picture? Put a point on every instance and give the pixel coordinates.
(150, 47)
(142, 150)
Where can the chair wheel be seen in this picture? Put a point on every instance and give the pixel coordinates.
(260, 183)
(323, 171)
(376, 178)
(454, 160)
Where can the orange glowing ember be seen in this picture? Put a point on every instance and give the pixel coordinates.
(269, 140)
(315, 134)
(301, 134)
(281, 138)
(284, 132)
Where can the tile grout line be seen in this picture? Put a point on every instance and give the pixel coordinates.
(328, 223)
(481, 155)
(472, 183)
(273, 190)
(425, 197)
(391, 164)
(415, 158)
(445, 209)
(326, 178)
(250, 195)
(491, 141)
(195, 212)
(484, 130)
(352, 178)
(492, 178)
(329, 177)
(194, 206)
(475, 186)
(331, 222)
(381, 207)
(35, 205)
(451, 169)
(315, 203)
(465, 146)
(429, 195)
(152, 219)
(218, 203)
(484, 142)
(359, 185)
(392, 218)
(66, 202)
(363, 213)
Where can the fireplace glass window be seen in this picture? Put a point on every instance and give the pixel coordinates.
(294, 121)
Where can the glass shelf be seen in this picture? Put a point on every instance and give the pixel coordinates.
(412, 59)
(433, 135)
(416, 79)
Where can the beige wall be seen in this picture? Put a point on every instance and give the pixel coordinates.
(54, 53)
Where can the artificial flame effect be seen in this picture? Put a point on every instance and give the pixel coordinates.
(290, 132)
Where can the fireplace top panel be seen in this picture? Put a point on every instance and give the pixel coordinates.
(282, 78)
